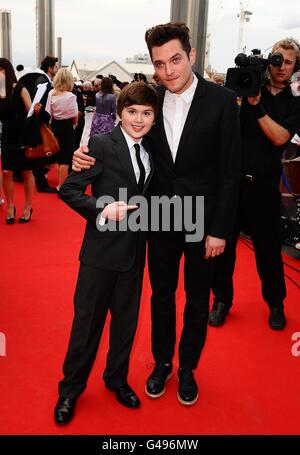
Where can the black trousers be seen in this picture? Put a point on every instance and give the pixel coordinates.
(98, 291)
(38, 168)
(165, 250)
(258, 215)
(78, 131)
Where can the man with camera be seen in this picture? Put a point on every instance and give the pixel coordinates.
(268, 121)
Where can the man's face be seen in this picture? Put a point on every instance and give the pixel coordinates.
(53, 70)
(172, 66)
(281, 74)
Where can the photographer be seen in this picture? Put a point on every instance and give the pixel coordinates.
(268, 121)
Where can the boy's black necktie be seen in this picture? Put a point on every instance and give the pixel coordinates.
(141, 167)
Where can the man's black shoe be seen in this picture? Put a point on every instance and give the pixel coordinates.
(277, 320)
(126, 396)
(64, 410)
(218, 314)
(46, 189)
(188, 389)
(156, 383)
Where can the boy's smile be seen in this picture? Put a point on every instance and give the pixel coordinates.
(137, 120)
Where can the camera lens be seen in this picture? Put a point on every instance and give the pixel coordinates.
(244, 80)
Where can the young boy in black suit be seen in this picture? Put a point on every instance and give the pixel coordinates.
(111, 261)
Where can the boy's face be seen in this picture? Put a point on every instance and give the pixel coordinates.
(137, 120)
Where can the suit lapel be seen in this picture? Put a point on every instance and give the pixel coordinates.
(147, 182)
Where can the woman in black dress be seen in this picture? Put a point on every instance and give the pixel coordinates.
(15, 101)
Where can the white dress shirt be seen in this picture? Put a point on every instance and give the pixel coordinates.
(175, 112)
(145, 160)
(49, 79)
(144, 156)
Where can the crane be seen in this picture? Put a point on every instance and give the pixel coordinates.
(244, 16)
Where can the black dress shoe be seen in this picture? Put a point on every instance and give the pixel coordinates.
(23, 220)
(64, 410)
(126, 396)
(188, 389)
(218, 314)
(46, 189)
(156, 383)
(277, 320)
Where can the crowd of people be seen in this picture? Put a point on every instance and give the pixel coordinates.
(180, 136)
(64, 105)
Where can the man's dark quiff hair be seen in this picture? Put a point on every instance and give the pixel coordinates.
(48, 62)
(161, 34)
(138, 93)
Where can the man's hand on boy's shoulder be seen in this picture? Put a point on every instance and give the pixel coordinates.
(81, 159)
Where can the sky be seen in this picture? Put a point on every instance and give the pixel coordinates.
(105, 30)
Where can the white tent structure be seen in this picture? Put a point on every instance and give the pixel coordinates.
(88, 70)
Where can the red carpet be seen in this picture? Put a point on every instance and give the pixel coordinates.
(248, 377)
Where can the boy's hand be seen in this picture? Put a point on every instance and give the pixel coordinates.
(116, 211)
(81, 160)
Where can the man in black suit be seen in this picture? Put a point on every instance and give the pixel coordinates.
(49, 66)
(196, 150)
(111, 259)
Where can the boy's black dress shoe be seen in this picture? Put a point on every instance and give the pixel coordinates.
(156, 383)
(188, 389)
(218, 314)
(64, 410)
(277, 320)
(126, 396)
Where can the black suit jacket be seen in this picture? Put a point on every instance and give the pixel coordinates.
(44, 116)
(113, 170)
(208, 160)
(41, 80)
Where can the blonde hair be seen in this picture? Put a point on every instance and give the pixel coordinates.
(288, 44)
(63, 80)
(87, 85)
(97, 83)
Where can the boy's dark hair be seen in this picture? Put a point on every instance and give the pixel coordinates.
(10, 77)
(161, 34)
(137, 93)
(48, 62)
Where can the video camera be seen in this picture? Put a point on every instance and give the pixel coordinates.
(251, 72)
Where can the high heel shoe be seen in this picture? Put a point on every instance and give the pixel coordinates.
(23, 220)
(12, 219)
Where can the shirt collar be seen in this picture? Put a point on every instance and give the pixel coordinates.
(188, 94)
(48, 78)
(129, 140)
